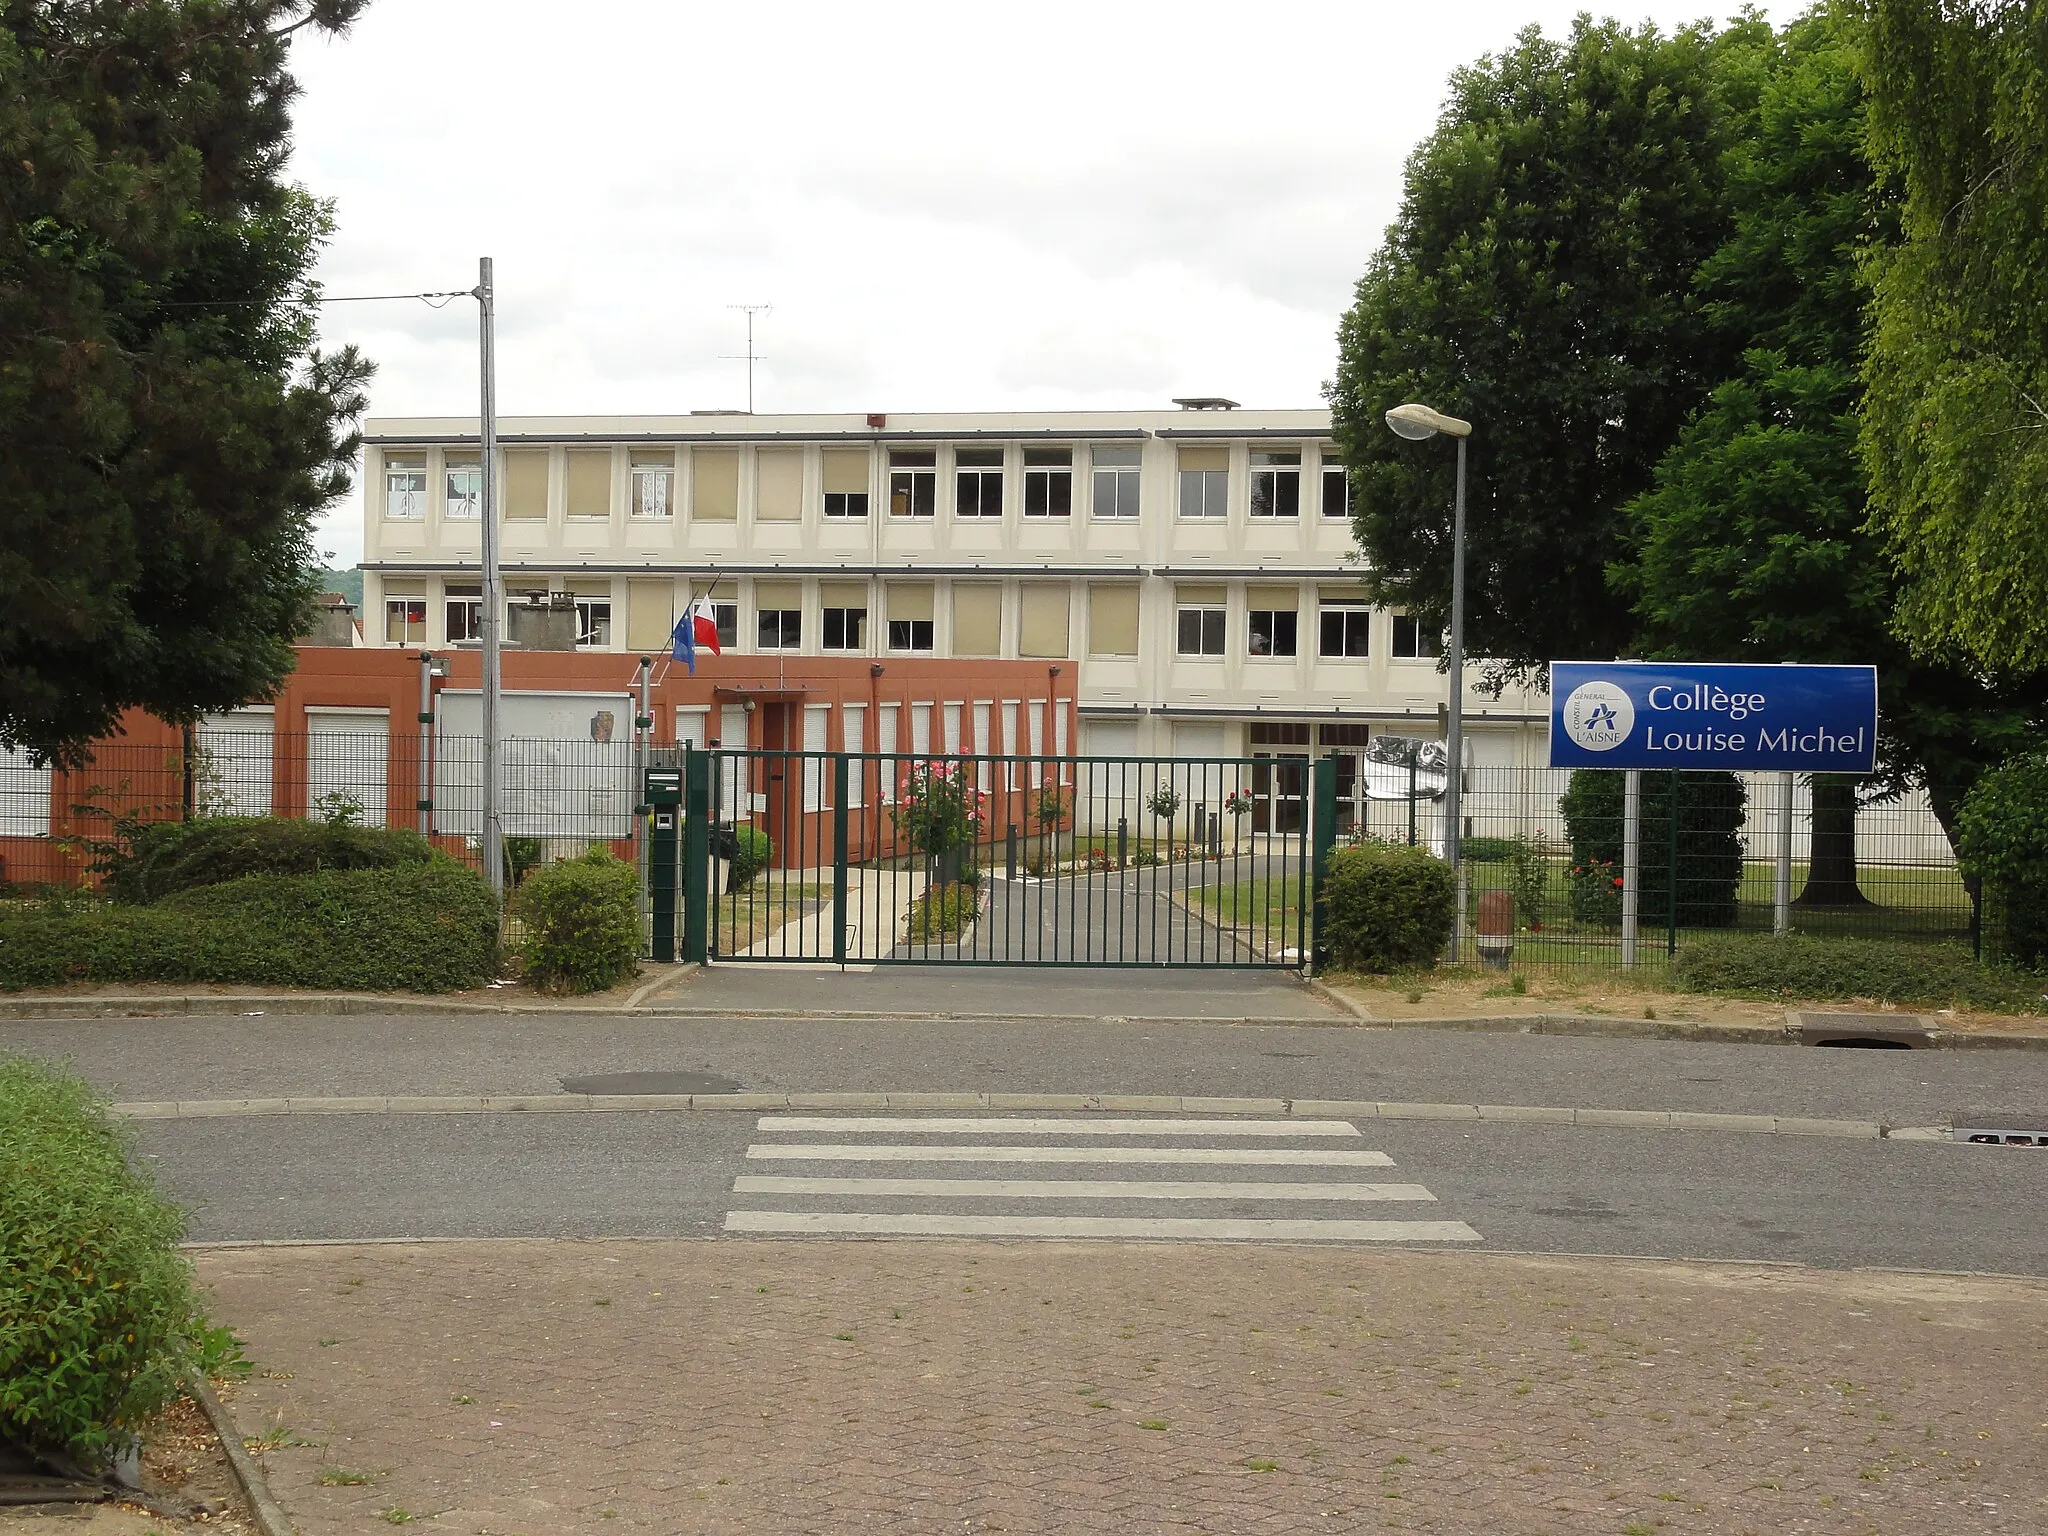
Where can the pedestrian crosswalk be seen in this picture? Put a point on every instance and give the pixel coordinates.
(1235, 1176)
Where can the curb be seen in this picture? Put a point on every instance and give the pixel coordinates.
(270, 1517)
(1125, 1103)
(1589, 1026)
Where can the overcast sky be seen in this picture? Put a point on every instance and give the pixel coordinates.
(1068, 205)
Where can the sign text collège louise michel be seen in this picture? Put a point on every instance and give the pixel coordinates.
(1731, 716)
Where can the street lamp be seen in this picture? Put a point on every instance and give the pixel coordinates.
(1417, 422)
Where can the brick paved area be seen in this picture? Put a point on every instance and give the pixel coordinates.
(535, 1387)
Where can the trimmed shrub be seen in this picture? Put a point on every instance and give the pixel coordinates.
(165, 857)
(429, 927)
(943, 913)
(1839, 970)
(2002, 840)
(752, 850)
(97, 1321)
(582, 920)
(1710, 816)
(1486, 850)
(1389, 908)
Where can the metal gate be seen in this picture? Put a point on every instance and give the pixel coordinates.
(954, 859)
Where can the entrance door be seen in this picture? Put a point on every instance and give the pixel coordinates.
(1279, 792)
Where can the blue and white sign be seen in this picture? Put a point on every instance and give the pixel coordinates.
(1650, 714)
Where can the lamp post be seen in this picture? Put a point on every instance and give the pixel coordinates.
(1417, 422)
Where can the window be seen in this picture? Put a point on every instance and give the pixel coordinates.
(590, 484)
(465, 611)
(1272, 632)
(846, 483)
(1346, 629)
(593, 621)
(1204, 482)
(1276, 484)
(405, 489)
(846, 629)
(1048, 482)
(1411, 639)
(653, 493)
(910, 634)
(779, 629)
(1336, 486)
(1116, 482)
(725, 617)
(978, 482)
(913, 482)
(1273, 733)
(405, 620)
(1201, 631)
(465, 487)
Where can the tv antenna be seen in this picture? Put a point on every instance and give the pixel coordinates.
(752, 357)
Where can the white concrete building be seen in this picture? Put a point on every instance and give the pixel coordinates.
(1193, 567)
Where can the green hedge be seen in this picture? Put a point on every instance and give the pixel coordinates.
(2002, 838)
(582, 921)
(165, 857)
(1711, 808)
(97, 1319)
(429, 927)
(1839, 970)
(1389, 908)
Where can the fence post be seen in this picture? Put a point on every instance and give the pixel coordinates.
(1631, 862)
(839, 787)
(696, 854)
(1671, 875)
(1323, 832)
(1781, 894)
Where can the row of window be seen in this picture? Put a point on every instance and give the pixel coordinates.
(1112, 478)
(1343, 631)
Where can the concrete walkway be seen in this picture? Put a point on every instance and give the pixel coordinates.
(878, 904)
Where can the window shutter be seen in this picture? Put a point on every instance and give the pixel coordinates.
(526, 483)
(977, 618)
(779, 485)
(1112, 620)
(842, 594)
(715, 484)
(1204, 458)
(910, 600)
(778, 594)
(650, 614)
(590, 482)
(845, 471)
(1042, 619)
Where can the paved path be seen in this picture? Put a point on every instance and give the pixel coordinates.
(830, 1386)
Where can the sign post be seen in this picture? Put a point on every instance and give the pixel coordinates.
(1726, 716)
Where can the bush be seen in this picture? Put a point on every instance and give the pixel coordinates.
(1389, 908)
(164, 857)
(1486, 850)
(943, 912)
(750, 850)
(1710, 816)
(2002, 839)
(97, 1321)
(429, 927)
(582, 920)
(1838, 970)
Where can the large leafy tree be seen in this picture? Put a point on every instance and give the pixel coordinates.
(1752, 545)
(1540, 281)
(167, 431)
(1955, 426)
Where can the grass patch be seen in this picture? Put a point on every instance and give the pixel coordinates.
(1844, 969)
(745, 917)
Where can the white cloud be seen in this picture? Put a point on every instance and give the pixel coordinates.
(951, 208)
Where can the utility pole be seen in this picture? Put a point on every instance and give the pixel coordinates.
(751, 356)
(493, 585)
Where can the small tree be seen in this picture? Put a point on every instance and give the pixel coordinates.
(937, 808)
(1164, 804)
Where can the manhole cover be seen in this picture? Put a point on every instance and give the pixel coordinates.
(650, 1082)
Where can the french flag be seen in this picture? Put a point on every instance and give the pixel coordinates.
(698, 626)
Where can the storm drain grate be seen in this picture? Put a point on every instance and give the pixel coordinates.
(2000, 1130)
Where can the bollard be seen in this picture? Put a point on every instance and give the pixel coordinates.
(1010, 852)
(1123, 841)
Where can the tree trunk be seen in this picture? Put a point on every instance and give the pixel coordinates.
(1831, 868)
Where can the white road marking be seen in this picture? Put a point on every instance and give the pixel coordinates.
(1214, 1229)
(1000, 1126)
(898, 1152)
(1076, 1189)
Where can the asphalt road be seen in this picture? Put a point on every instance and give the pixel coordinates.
(1930, 1205)
(293, 1055)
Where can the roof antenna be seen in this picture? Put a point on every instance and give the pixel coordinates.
(752, 357)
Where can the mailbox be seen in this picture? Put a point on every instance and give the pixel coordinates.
(664, 787)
